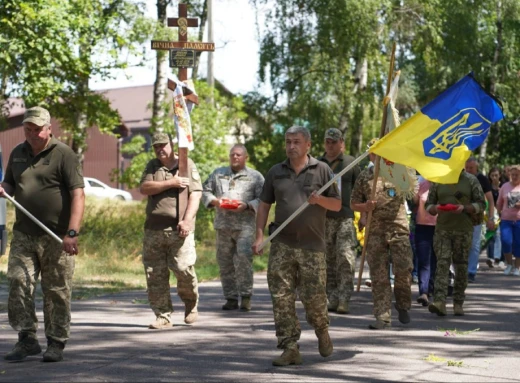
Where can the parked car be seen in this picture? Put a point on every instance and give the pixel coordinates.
(96, 188)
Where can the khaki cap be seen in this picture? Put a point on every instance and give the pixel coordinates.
(37, 115)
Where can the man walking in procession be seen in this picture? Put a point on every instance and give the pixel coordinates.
(453, 236)
(169, 242)
(297, 256)
(235, 227)
(388, 240)
(46, 178)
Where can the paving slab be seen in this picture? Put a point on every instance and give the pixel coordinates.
(111, 342)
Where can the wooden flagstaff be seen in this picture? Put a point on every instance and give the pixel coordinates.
(182, 55)
(376, 167)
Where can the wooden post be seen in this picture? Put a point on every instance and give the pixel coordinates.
(376, 167)
(183, 23)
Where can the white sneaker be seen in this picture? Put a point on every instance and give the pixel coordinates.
(501, 264)
(516, 272)
(508, 270)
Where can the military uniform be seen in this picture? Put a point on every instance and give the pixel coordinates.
(388, 240)
(235, 231)
(163, 248)
(454, 232)
(297, 256)
(43, 185)
(341, 236)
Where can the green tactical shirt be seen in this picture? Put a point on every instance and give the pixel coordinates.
(43, 184)
(347, 183)
(161, 209)
(466, 191)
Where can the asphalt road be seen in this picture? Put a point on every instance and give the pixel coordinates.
(111, 341)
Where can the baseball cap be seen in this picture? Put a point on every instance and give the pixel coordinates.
(160, 138)
(334, 134)
(37, 115)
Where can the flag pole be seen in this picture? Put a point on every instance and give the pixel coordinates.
(304, 206)
(376, 167)
(33, 218)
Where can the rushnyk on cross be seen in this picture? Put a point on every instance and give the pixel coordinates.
(182, 54)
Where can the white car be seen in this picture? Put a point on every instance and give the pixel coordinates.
(96, 188)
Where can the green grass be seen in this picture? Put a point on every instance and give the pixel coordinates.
(110, 250)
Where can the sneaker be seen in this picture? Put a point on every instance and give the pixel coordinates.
(471, 278)
(190, 312)
(343, 307)
(490, 263)
(245, 305)
(54, 352)
(508, 270)
(159, 323)
(516, 272)
(379, 324)
(404, 317)
(497, 262)
(231, 304)
(324, 343)
(501, 264)
(438, 308)
(368, 282)
(415, 279)
(423, 299)
(457, 309)
(288, 357)
(26, 346)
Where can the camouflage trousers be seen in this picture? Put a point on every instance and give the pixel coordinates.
(451, 247)
(29, 257)
(382, 245)
(235, 260)
(340, 237)
(290, 269)
(164, 251)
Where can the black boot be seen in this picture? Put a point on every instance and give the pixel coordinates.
(27, 345)
(54, 352)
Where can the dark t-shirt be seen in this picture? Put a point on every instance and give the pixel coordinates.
(290, 191)
(42, 184)
(484, 182)
(161, 209)
(347, 183)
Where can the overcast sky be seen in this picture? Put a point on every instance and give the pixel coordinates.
(236, 49)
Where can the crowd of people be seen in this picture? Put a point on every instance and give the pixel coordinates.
(312, 258)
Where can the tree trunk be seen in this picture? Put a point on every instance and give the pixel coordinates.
(203, 19)
(161, 74)
(79, 135)
(493, 83)
(360, 85)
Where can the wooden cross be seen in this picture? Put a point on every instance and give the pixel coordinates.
(183, 23)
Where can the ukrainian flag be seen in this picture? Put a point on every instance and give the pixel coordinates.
(439, 139)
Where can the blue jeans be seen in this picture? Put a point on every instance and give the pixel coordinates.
(510, 233)
(494, 249)
(474, 253)
(427, 262)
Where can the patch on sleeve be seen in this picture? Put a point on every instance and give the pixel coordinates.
(195, 174)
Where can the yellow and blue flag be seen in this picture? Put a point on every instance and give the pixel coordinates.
(439, 138)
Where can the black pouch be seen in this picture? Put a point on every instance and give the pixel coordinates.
(272, 227)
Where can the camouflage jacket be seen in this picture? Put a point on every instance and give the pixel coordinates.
(247, 183)
(390, 213)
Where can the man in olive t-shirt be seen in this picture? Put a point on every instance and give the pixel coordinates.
(46, 178)
(297, 257)
(169, 242)
(453, 234)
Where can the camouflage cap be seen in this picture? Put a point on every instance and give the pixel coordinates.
(160, 138)
(334, 134)
(37, 115)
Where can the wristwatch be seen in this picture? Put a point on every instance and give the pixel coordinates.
(72, 233)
